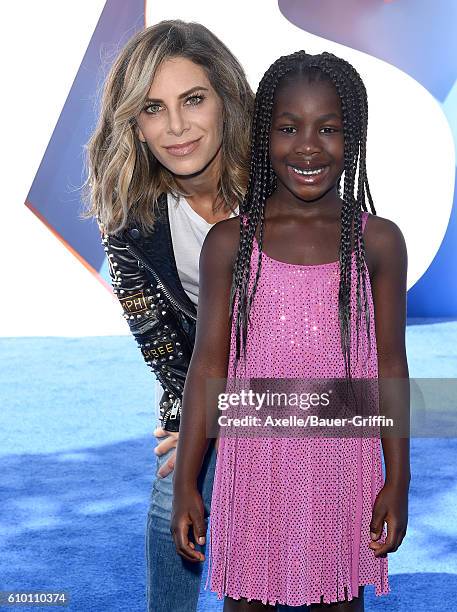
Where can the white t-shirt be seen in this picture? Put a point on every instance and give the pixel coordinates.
(188, 231)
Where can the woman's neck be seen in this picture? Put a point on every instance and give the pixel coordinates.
(202, 192)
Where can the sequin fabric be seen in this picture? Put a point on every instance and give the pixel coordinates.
(290, 516)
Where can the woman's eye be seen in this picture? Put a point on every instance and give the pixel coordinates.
(153, 109)
(288, 129)
(195, 99)
(329, 130)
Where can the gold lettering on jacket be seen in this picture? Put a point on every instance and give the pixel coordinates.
(134, 303)
(159, 351)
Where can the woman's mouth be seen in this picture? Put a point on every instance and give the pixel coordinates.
(182, 149)
(308, 176)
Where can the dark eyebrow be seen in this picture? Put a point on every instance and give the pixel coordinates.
(329, 116)
(321, 118)
(181, 96)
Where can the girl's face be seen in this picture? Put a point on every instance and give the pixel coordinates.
(181, 120)
(306, 144)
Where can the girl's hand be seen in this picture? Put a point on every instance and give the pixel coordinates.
(391, 506)
(171, 441)
(188, 510)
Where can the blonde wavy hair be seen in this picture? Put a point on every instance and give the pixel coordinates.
(124, 180)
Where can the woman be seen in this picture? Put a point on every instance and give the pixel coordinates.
(167, 161)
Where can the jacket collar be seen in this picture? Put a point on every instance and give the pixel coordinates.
(156, 248)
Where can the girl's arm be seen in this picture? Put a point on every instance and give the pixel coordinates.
(388, 257)
(209, 361)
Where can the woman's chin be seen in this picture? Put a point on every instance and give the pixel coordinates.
(189, 168)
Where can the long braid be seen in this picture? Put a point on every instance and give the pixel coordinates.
(348, 107)
(355, 193)
(261, 184)
(363, 193)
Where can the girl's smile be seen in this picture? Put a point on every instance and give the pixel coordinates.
(308, 175)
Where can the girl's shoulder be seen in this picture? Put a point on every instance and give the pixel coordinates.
(223, 238)
(383, 238)
(380, 227)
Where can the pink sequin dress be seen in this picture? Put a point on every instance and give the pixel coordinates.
(290, 516)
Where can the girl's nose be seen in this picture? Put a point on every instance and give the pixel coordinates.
(307, 146)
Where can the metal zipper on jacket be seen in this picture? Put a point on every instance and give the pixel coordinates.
(165, 290)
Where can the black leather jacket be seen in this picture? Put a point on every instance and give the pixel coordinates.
(161, 316)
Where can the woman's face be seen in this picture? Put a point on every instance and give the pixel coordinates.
(181, 120)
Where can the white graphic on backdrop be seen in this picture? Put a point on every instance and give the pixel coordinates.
(411, 169)
(410, 157)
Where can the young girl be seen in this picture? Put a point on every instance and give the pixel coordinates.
(318, 291)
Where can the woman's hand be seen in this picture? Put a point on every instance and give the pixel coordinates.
(188, 510)
(171, 441)
(391, 506)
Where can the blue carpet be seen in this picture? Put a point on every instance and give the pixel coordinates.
(77, 465)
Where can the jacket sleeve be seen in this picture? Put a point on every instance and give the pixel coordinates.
(154, 323)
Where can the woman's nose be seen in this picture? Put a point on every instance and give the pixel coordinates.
(176, 122)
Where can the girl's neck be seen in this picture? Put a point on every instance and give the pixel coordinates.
(283, 202)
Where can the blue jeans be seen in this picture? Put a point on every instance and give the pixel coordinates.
(173, 584)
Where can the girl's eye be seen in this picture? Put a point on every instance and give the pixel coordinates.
(329, 130)
(195, 99)
(288, 129)
(153, 109)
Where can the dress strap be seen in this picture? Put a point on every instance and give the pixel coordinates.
(365, 216)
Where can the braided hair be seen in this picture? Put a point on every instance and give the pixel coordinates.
(262, 183)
